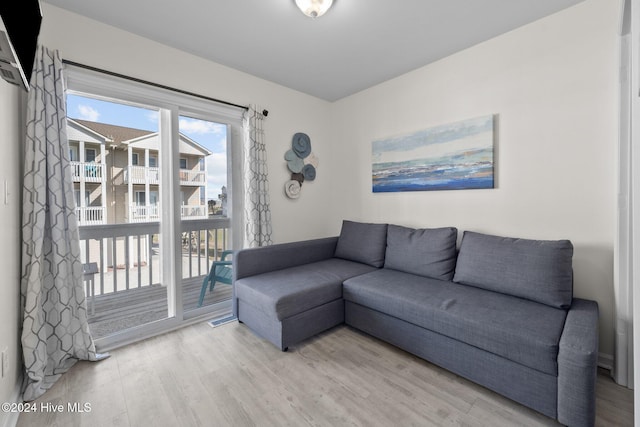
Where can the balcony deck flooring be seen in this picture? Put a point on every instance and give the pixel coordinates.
(125, 309)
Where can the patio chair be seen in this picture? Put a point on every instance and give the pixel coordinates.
(220, 272)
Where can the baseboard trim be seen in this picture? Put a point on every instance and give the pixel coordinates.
(11, 419)
(605, 361)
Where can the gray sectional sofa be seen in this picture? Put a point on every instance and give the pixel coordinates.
(496, 310)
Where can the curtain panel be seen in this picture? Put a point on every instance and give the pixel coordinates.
(55, 331)
(257, 211)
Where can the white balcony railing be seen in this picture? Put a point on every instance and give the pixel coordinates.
(191, 177)
(90, 215)
(144, 213)
(193, 212)
(127, 255)
(88, 172)
(151, 213)
(141, 175)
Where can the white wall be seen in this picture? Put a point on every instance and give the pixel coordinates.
(11, 131)
(553, 85)
(89, 42)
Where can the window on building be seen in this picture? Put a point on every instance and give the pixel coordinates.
(134, 159)
(90, 155)
(141, 198)
(87, 198)
(183, 163)
(153, 162)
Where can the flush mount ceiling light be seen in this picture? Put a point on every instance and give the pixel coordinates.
(314, 8)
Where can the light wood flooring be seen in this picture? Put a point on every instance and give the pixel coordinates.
(227, 376)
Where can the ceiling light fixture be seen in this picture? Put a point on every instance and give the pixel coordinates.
(314, 8)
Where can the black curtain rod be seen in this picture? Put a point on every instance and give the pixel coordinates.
(111, 73)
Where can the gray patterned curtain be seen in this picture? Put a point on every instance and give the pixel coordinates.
(55, 332)
(257, 213)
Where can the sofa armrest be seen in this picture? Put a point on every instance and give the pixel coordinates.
(578, 364)
(249, 262)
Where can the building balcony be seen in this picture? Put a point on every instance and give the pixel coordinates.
(144, 213)
(87, 172)
(142, 175)
(191, 177)
(90, 215)
(151, 213)
(193, 212)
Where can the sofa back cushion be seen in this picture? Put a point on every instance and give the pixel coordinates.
(538, 270)
(362, 242)
(428, 252)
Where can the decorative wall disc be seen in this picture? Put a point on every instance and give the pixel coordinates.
(309, 172)
(292, 189)
(301, 144)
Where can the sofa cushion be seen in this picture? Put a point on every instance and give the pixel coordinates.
(429, 252)
(284, 293)
(520, 330)
(539, 270)
(362, 242)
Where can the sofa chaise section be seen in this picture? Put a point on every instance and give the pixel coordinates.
(288, 306)
(290, 292)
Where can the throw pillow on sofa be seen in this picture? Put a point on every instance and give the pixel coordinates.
(429, 252)
(362, 242)
(538, 270)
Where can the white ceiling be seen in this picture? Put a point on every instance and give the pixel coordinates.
(357, 44)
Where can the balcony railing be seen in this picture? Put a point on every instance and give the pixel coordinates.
(191, 177)
(88, 172)
(127, 255)
(90, 215)
(193, 212)
(151, 213)
(203, 240)
(142, 175)
(144, 213)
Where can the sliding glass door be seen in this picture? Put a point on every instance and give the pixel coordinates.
(157, 211)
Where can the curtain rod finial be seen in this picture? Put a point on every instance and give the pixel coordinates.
(265, 113)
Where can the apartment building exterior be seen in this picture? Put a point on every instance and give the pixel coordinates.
(115, 173)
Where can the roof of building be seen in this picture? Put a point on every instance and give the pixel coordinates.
(125, 135)
(118, 134)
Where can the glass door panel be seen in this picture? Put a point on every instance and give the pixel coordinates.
(205, 220)
(119, 219)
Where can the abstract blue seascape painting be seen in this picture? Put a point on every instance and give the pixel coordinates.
(453, 156)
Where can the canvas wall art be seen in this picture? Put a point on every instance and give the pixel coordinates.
(454, 156)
